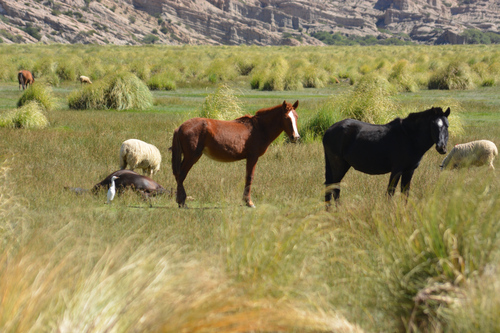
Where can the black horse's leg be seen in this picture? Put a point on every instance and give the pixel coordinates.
(335, 170)
(251, 163)
(405, 182)
(393, 182)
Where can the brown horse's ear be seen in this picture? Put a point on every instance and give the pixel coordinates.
(284, 104)
(447, 113)
(296, 105)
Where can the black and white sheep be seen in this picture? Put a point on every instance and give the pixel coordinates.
(139, 154)
(474, 153)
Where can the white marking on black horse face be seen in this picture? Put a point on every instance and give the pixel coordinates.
(294, 124)
(439, 123)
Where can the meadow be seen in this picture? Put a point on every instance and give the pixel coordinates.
(71, 263)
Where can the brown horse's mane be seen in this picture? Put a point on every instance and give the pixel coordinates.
(262, 112)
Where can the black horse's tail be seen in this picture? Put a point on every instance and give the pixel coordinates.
(176, 154)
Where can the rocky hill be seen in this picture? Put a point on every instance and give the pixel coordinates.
(235, 22)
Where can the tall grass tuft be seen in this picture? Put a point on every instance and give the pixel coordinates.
(161, 81)
(370, 101)
(89, 97)
(222, 104)
(39, 93)
(127, 91)
(271, 76)
(30, 115)
(403, 77)
(121, 92)
(417, 261)
(455, 76)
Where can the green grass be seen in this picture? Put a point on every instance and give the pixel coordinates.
(71, 263)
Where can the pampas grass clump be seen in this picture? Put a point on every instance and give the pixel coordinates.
(370, 101)
(30, 115)
(127, 91)
(456, 76)
(88, 97)
(123, 91)
(39, 93)
(222, 105)
(161, 81)
(271, 77)
(402, 77)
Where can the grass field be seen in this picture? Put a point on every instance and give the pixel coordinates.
(70, 263)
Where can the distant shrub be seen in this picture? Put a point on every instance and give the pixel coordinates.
(39, 93)
(489, 82)
(150, 39)
(221, 70)
(316, 126)
(370, 101)
(89, 97)
(66, 70)
(314, 77)
(222, 105)
(402, 77)
(33, 31)
(161, 81)
(30, 115)
(271, 76)
(455, 76)
(122, 91)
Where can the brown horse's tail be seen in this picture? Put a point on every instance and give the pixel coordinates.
(176, 154)
(20, 78)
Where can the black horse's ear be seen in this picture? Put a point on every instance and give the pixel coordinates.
(447, 113)
(296, 104)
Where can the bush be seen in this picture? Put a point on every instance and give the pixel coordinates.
(222, 105)
(89, 97)
(161, 81)
(370, 101)
(402, 77)
(30, 115)
(39, 93)
(316, 126)
(272, 76)
(123, 91)
(456, 76)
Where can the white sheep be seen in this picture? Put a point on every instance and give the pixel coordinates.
(85, 79)
(477, 153)
(139, 154)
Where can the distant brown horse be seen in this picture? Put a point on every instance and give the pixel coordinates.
(247, 137)
(25, 78)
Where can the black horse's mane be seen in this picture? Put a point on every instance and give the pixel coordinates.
(424, 114)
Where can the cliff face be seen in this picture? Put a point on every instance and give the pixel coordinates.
(234, 22)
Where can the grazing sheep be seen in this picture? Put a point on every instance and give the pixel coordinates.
(139, 154)
(477, 153)
(85, 79)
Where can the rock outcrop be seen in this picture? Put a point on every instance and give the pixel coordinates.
(234, 22)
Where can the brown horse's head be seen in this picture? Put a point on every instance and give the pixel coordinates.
(290, 120)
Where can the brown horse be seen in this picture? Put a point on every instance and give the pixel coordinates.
(247, 137)
(25, 78)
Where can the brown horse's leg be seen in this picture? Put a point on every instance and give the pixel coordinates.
(187, 163)
(251, 163)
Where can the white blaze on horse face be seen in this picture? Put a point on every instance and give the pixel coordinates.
(440, 123)
(294, 124)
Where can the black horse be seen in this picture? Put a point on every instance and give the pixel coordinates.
(396, 147)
